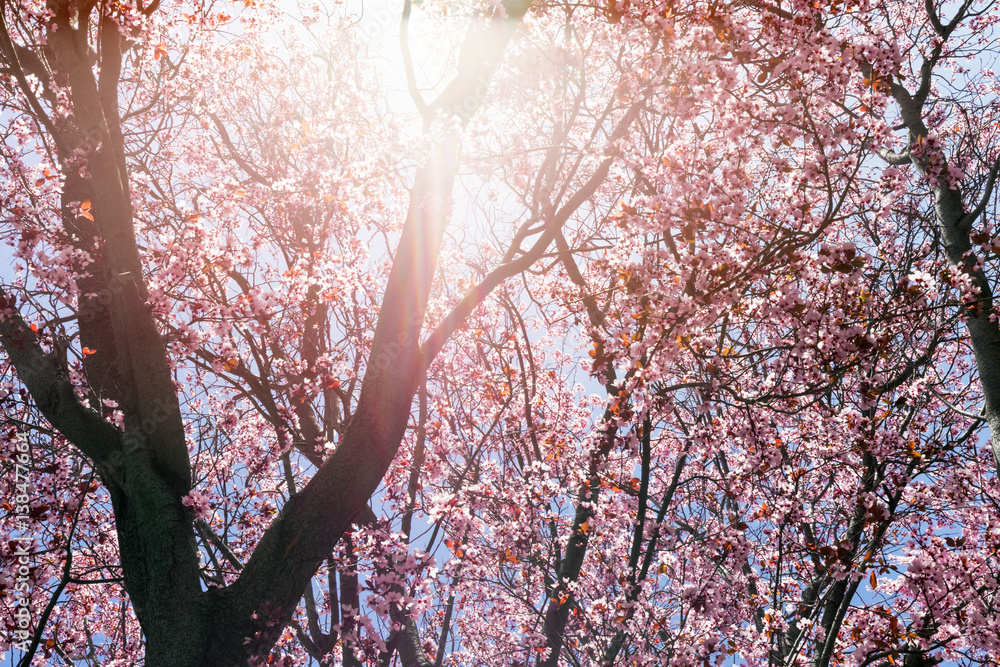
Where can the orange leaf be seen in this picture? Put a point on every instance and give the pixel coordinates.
(85, 207)
(87, 350)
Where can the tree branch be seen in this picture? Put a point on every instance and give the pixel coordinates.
(411, 80)
(984, 200)
(897, 159)
(550, 231)
(223, 548)
(47, 380)
(250, 170)
(312, 521)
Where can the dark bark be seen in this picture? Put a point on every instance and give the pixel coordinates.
(146, 466)
(311, 522)
(955, 226)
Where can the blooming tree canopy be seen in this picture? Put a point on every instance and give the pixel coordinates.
(627, 333)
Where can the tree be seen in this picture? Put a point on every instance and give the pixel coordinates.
(656, 343)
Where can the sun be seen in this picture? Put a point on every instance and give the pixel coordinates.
(414, 48)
